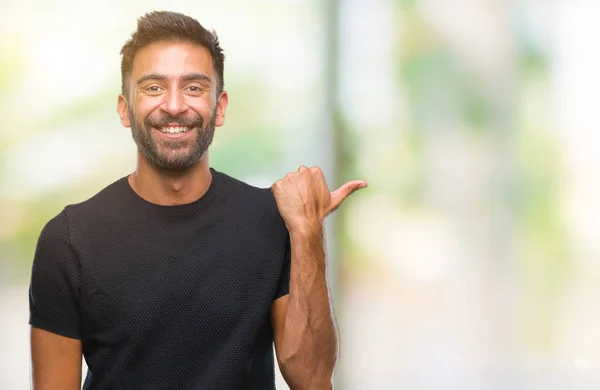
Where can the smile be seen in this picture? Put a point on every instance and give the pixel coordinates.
(174, 129)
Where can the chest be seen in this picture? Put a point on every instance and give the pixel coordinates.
(209, 275)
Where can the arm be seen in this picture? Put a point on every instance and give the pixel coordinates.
(54, 310)
(56, 361)
(306, 340)
(305, 335)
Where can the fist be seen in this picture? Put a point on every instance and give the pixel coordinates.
(304, 200)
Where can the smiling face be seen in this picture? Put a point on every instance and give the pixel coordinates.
(172, 107)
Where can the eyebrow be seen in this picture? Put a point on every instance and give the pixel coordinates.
(186, 77)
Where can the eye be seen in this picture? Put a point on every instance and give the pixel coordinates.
(153, 88)
(194, 88)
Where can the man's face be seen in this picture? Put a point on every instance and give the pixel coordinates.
(172, 106)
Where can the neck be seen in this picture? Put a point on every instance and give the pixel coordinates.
(168, 188)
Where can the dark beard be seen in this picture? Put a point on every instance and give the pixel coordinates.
(165, 154)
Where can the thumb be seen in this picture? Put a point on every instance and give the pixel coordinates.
(338, 196)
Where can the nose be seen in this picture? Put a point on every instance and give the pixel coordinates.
(174, 102)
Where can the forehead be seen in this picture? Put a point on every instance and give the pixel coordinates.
(172, 59)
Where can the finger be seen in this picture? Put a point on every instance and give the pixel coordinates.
(316, 170)
(318, 176)
(338, 196)
(275, 185)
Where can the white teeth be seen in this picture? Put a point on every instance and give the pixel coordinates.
(174, 130)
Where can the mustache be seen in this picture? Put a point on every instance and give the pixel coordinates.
(177, 120)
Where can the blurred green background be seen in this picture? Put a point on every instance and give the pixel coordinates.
(472, 261)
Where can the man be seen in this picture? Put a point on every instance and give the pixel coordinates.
(179, 276)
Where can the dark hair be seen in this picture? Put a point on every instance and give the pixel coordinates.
(171, 27)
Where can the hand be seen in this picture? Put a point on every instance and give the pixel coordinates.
(304, 200)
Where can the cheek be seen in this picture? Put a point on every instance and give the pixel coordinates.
(202, 105)
(144, 109)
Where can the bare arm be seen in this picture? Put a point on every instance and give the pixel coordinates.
(306, 339)
(56, 361)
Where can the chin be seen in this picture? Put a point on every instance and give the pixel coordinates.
(179, 164)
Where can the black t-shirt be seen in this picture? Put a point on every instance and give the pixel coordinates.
(166, 297)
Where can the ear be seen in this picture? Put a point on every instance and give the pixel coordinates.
(221, 107)
(123, 110)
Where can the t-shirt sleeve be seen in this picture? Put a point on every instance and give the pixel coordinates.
(284, 279)
(55, 281)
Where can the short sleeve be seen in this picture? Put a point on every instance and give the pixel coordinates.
(55, 281)
(284, 280)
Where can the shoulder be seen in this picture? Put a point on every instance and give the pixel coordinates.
(59, 226)
(109, 201)
(56, 229)
(240, 189)
(251, 199)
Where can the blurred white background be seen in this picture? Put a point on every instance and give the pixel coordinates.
(472, 261)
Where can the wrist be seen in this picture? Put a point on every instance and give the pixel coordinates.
(306, 231)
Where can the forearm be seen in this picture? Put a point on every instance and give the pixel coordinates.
(310, 343)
